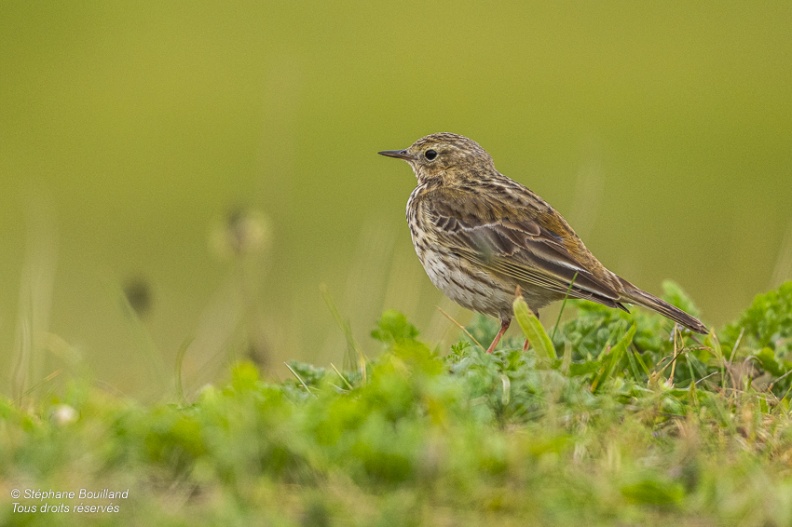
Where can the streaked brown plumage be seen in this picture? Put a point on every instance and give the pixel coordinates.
(481, 235)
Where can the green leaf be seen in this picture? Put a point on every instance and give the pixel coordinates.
(533, 329)
(767, 323)
(652, 489)
(767, 358)
(394, 327)
(611, 359)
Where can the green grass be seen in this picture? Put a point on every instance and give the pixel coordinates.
(614, 422)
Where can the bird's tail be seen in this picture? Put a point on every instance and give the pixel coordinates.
(636, 296)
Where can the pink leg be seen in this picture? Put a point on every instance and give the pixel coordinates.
(504, 326)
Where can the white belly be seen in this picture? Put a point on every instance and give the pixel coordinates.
(480, 294)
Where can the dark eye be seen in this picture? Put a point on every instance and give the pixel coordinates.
(430, 154)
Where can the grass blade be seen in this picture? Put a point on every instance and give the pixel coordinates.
(533, 329)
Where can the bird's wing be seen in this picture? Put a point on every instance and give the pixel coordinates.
(504, 239)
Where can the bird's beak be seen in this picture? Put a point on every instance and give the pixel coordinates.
(399, 154)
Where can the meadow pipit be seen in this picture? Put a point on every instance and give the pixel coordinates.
(482, 236)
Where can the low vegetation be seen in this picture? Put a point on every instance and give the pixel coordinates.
(609, 419)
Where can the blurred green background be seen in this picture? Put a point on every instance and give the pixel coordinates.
(130, 130)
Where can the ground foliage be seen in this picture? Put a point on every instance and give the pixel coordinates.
(613, 419)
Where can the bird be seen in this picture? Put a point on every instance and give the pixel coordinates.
(483, 238)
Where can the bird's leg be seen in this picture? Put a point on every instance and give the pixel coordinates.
(504, 326)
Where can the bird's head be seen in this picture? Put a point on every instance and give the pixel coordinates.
(444, 158)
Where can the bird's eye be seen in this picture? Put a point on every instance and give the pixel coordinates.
(430, 154)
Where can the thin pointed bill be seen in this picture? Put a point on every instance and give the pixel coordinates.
(398, 154)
